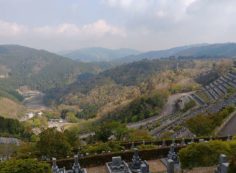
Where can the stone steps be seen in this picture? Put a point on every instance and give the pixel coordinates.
(220, 87)
(211, 93)
(215, 88)
(224, 83)
(227, 81)
(208, 94)
(232, 75)
(232, 79)
(198, 99)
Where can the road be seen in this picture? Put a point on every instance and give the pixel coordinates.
(167, 110)
(229, 128)
(180, 119)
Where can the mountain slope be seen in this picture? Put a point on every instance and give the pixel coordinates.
(98, 54)
(10, 108)
(38, 69)
(96, 95)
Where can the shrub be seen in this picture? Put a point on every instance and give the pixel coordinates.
(203, 154)
(204, 125)
(100, 147)
(24, 166)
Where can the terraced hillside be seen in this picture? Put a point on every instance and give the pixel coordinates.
(216, 90)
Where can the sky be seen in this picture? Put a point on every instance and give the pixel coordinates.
(59, 25)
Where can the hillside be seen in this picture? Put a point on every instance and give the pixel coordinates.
(10, 108)
(197, 51)
(98, 54)
(114, 89)
(38, 69)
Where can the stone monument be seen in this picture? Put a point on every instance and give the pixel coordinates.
(117, 165)
(137, 165)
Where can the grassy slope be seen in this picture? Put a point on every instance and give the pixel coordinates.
(10, 108)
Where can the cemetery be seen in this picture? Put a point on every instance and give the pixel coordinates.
(216, 90)
(133, 162)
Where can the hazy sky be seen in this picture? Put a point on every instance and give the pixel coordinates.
(140, 24)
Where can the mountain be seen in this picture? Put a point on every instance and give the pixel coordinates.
(213, 50)
(38, 69)
(96, 95)
(98, 54)
(198, 50)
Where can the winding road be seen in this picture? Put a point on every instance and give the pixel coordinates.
(168, 109)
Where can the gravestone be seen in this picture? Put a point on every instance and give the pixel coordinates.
(223, 164)
(116, 162)
(55, 168)
(172, 154)
(137, 165)
(75, 168)
(117, 165)
(170, 166)
(144, 168)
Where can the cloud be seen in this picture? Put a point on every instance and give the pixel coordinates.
(140, 24)
(133, 5)
(11, 29)
(158, 8)
(62, 36)
(99, 29)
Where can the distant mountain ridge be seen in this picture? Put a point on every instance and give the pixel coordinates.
(98, 54)
(200, 50)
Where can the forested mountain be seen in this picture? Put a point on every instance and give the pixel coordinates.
(97, 95)
(198, 51)
(98, 54)
(38, 69)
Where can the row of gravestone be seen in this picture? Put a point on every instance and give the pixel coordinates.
(137, 165)
(117, 165)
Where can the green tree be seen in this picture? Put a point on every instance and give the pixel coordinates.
(104, 131)
(203, 154)
(72, 137)
(71, 117)
(24, 166)
(53, 143)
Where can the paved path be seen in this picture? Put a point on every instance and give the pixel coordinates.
(167, 110)
(180, 119)
(229, 128)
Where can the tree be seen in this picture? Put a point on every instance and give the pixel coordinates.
(72, 137)
(203, 154)
(137, 135)
(104, 131)
(53, 143)
(71, 117)
(24, 166)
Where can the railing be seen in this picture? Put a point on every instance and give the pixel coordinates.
(147, 154)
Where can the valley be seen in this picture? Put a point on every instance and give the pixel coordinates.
(117, 86)
(95, 109)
